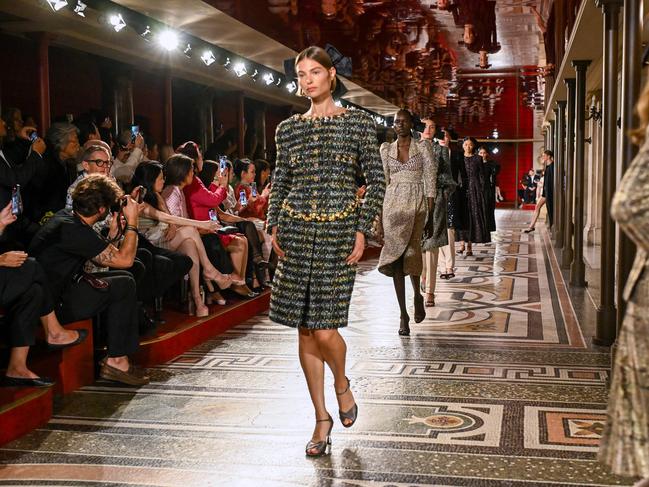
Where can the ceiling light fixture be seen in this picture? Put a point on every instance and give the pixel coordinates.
(240, 69)
(168, 40)
(291, 87)
(208, 58)
(254, 75)
(495, 150)
(188, 51)
(80, 7)
(117, 21)
(269, 78)
(227, 63)
(57, 5)
(279, 81)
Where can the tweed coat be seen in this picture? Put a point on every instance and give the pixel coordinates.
(314, 205)
(625, 443)
(405, 207)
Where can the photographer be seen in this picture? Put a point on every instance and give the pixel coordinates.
(66, 242)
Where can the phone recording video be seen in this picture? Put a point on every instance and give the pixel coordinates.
(135, 131)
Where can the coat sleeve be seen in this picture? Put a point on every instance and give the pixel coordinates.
(630, 206)
(431, 166)
(383, 150)
(372, 168)
(283, 178)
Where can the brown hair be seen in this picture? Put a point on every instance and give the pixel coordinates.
(177, 168)
(642, 109)
(94, 192)
(320, 56)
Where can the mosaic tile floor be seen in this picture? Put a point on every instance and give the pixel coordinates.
(497, 387)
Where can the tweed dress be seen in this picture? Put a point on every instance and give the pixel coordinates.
(405, 207)
(445, 187)
(625, 442)
(313, 203)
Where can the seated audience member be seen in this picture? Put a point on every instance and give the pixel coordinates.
(20, 172)
(211, 178)
(176, 232)
(26, 298)
(66, 242)
(130, 154)
(262, 174)
(46, 193)
(199, 201)
(152, 152)
(256, 205)
(95, 159)
(14, 146)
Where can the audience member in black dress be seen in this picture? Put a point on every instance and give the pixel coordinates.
(25, 296)
(66, 242)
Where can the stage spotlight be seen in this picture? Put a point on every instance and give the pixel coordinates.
(254, 75)
(227, 63)
(57, 5)
(279, 81)
(495, 134)
(269, 78)
(168, 40)
(80, 7)
(188, 50)
(240, 69)
(495, 150)
(208, 58)
(291, 87)
(117, 21)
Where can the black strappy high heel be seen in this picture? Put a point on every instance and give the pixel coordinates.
(352, 414)
(322, 447)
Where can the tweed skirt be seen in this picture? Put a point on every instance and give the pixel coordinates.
(313, 283)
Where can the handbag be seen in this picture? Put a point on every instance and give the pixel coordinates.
(227, 230)
(94, 282)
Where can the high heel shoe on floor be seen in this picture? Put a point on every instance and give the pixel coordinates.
(223, 281)
(215, 298)
(460, 251)
(321, 447)
(469, 253)
(404, 327)
(430, 300)
(352, 414)
(420, 310)
(244, 291)
(529, 230)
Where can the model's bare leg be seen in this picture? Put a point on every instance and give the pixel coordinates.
(334, 350)
(537, 212)
(312, 364)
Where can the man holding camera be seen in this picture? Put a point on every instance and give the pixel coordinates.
(66, 242)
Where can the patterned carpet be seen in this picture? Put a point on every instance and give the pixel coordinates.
(497, 387)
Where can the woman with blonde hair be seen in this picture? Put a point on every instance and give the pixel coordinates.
(318, 227)
(625, 443)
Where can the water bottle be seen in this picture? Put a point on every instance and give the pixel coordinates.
(242, 198)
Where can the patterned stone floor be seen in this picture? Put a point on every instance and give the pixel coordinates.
(497, 387)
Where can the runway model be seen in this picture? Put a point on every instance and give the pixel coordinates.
(411, 172)
(318, 226)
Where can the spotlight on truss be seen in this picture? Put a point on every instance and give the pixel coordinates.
(57, 5)
(117, 21)
(208, 58)
(168, 40)
(79, 8)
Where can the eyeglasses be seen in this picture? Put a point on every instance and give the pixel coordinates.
(99, 162)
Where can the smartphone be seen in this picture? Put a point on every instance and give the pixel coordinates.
(213, 215)
(141, 194)
(16, 201)
(223, 165)
(135, 130)
(253, 187)
(33, 136)
(242, 198)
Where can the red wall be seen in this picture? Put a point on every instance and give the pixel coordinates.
(19, 74)
(148, 102)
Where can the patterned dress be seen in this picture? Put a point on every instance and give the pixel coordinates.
(445, 187)
(314, 206)
(405, 207)
(625, 443)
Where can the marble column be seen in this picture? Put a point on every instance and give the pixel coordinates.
(631, 75)
(559, 178)
(569, 162)
(606, 313)
(577, 267)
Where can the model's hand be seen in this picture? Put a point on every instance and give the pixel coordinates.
(13, 259)
(6, 217)
(278, 250)
(359, 248)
